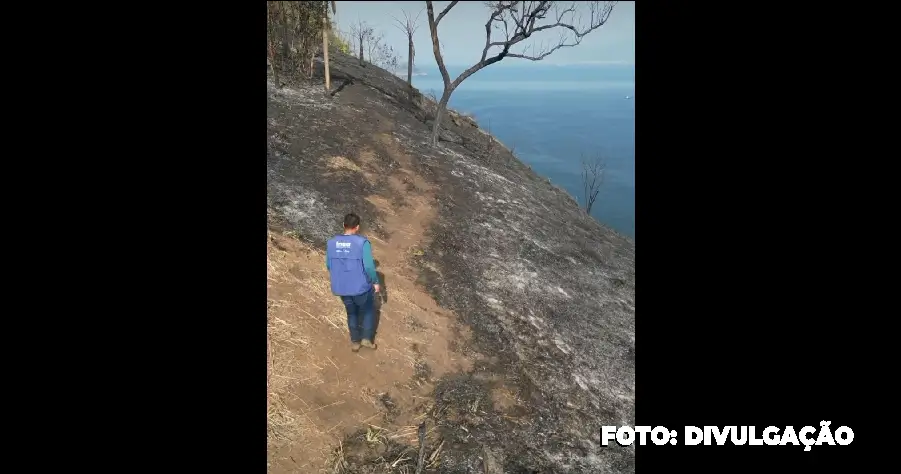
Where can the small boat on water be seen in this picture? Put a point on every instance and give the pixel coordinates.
(628, 97)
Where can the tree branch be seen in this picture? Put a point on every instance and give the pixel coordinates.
(545, 53)
(525, 15)
(416, 20)
(409, 25)
(592, 179)
(436, 46)
(499, 10)
(399, 24)
(444, 12)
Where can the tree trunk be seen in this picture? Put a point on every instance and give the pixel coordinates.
(278, 83)
(410, 62)
(448, 85)
(442, 105)
(325, 29)
(361, 52)
(272, 65)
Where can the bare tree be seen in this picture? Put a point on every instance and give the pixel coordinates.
(383, 56)
(515, 22)
(409, 27)
(374, 48)
(362, 34)
(592, 178)
(371, 44)
(381, 53)
(393, 61)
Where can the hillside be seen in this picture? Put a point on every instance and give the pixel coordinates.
(508, 319)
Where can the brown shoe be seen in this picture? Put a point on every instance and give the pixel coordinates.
(355, 346)
(368, 343)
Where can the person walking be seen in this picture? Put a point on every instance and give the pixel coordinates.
(354, 279)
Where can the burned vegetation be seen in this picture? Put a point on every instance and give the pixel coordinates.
(544, 292)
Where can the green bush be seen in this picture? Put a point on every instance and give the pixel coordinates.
(341, 43)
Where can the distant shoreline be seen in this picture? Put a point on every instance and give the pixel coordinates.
(404, 74)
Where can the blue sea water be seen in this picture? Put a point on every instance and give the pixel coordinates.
(554, 115)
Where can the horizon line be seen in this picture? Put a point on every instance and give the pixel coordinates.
(540, 64)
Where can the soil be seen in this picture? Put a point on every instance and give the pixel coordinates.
(506, 318)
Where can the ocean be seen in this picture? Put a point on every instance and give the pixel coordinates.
(554, 115)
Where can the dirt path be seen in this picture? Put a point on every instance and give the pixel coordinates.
(320, 391)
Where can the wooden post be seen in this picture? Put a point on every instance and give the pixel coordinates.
(325, 30)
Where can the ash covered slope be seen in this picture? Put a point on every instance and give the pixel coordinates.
(547, 291)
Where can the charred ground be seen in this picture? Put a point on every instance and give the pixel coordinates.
(543, 293)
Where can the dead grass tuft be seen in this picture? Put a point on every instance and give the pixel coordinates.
(340, 162)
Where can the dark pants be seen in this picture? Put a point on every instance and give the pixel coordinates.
(360, 315)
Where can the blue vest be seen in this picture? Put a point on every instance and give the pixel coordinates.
(345, 255)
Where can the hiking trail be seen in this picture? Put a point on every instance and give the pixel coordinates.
(331, 391)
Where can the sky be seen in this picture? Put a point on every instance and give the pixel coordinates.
(462, 34)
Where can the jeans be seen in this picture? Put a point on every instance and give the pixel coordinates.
(360, 316)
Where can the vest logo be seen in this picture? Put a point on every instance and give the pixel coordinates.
(343, 245)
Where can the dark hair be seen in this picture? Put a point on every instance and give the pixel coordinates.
(351, 220)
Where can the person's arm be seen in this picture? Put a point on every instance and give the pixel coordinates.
(327, 264)
(369, 264)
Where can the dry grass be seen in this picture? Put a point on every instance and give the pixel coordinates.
(401, 455)
(288, 323)
(304, 322)
(339, 162)
(283, 425)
